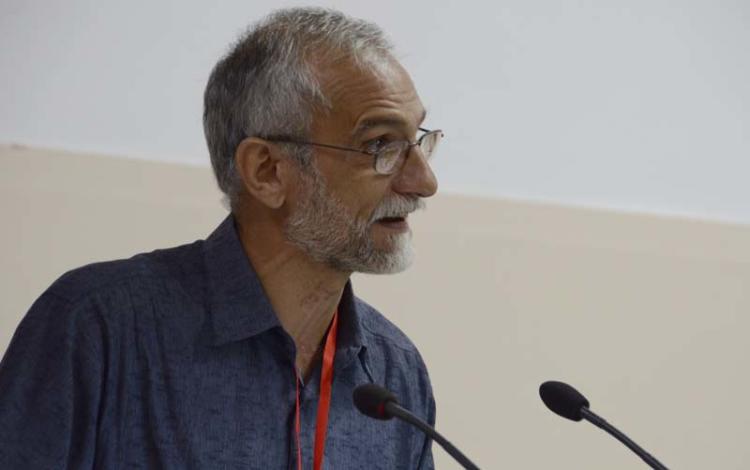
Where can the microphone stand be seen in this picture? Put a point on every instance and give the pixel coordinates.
(600, 422)
(401, 413)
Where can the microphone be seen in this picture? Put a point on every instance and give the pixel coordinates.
(379, 403)
(567, 402)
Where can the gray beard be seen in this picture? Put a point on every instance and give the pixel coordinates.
(322, 227)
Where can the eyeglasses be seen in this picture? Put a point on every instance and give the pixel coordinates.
(388, 154)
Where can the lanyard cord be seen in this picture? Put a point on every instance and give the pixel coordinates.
(324, 403)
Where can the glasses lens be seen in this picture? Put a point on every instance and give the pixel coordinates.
(387, 158)
(430, 142)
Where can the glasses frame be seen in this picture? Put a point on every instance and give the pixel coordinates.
(376, 155)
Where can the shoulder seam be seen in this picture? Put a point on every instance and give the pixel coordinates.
(93, 290)
(412, 349)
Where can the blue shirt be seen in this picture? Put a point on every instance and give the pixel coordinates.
(175, 359)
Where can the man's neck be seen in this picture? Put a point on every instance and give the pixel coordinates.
(303, 293)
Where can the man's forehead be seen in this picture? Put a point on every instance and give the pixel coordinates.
(383, 95)
(384, 119)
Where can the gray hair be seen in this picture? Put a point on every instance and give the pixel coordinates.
(266, 84)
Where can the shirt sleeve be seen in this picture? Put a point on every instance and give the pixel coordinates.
(50, 387)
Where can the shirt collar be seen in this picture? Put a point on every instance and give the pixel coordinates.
(239, 306)
(350, 333)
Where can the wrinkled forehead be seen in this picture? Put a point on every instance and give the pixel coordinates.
(378, 89)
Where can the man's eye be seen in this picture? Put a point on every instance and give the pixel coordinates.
(376, 145)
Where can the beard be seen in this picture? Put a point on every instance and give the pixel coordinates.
(323, 227)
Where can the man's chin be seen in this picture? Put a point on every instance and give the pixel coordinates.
(390, 238)
(396, 256)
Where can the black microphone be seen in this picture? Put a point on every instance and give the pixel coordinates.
(379, 403)
(567, 402)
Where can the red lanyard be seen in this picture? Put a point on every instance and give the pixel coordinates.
(324, 403)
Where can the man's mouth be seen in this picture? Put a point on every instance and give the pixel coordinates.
(395, 223)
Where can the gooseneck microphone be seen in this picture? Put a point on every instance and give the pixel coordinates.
(379, 403)
(567, 402)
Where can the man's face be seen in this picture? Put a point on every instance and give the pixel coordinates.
(346, 214)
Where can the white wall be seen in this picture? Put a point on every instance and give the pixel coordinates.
(631, 104)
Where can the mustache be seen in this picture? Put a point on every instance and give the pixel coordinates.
(397, 206)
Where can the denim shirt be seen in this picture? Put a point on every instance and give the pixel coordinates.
(175, 359)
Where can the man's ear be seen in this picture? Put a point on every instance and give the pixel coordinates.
(263, 170)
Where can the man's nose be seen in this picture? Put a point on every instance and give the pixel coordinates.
(415, 177)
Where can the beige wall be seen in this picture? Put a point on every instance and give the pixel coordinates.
(647, 316)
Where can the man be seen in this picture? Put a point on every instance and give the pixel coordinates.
(242, 351)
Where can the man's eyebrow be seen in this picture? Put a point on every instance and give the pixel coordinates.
(368, 124)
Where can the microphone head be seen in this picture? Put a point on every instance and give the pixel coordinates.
(563, 399)
(370, 399)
